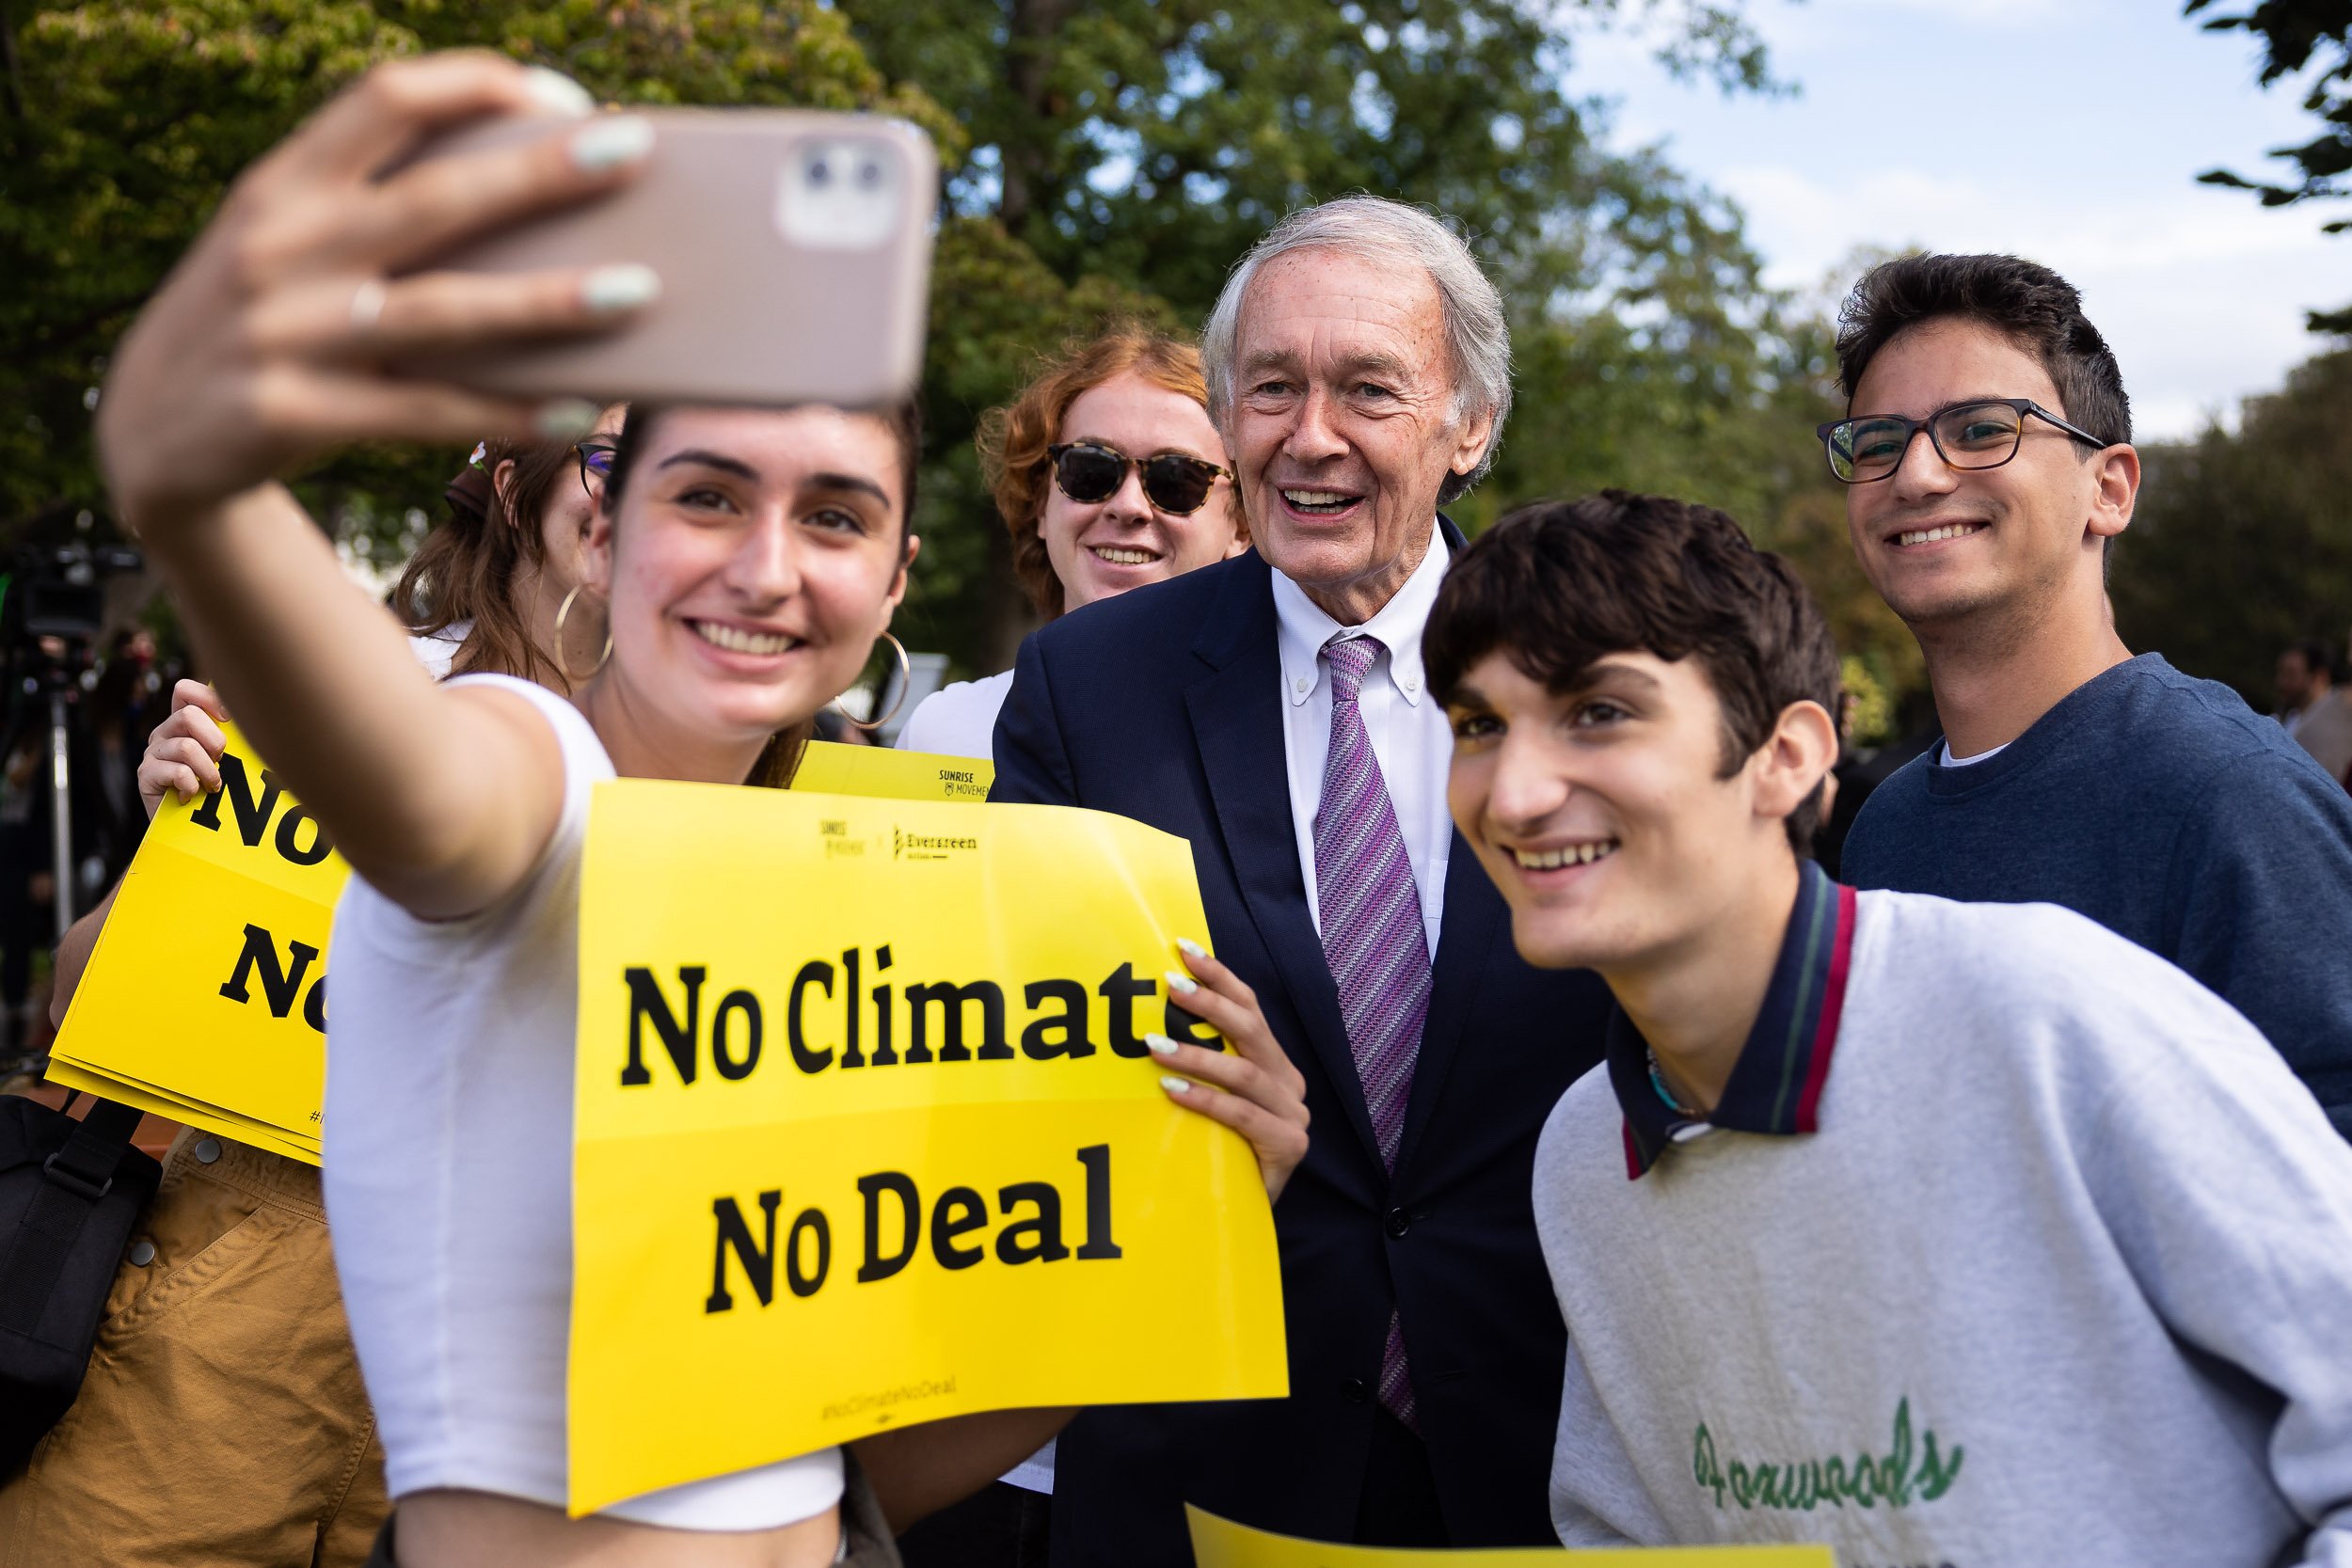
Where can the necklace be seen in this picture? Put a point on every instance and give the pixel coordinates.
(1658, 1082)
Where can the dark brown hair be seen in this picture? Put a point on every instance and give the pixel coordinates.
(2026, 303)
(781, 758)
(470, 567)
(1013, 439)
(1557, 586)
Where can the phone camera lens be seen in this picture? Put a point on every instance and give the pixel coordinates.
(819, 172)
(868, 175)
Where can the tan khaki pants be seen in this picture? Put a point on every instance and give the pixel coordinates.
(223, 1423)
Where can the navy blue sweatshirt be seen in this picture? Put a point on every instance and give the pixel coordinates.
(2169, 812)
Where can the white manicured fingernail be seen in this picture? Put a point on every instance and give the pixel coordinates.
(623, 287)
(567, 419)
(1182, 984)
(1174, 1085)
(1160, 1044)
(558, 92)
(610, 142)
(1190, 949)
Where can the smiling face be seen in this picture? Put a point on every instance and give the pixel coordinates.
(1603, 814)
(1947, 546)
(1103, 549)
(569, 509)
(1343, 423)
(755, 557)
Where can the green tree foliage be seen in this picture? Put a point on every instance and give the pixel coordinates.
(127, 120)
(2242, 542)
(1103, 161)
(2296, 36)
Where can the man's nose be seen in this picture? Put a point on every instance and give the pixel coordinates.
(1528, 785)
(1922, 471)
(1313, 436)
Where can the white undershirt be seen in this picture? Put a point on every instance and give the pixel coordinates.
(1407, 727)
(1952, 761)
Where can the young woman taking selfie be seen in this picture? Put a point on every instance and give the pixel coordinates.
(748, 561)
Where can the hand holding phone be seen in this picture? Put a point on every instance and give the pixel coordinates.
(793, 250)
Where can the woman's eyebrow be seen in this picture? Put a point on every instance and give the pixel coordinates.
(848, 482)
(712, 460)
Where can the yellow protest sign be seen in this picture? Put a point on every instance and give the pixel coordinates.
(830, 768)
(867, 1133)
(206, 997)
(1222, 1544)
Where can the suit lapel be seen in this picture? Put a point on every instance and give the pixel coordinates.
(1237, 724)
(1474, 913)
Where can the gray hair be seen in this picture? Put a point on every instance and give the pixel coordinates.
(1372, 229)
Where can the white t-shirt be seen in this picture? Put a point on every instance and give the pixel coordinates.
(958, 720)
(437, 650)
(448, 1138)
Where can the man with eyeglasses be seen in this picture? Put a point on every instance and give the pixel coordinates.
(1989, 470)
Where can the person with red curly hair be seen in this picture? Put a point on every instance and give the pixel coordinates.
(1108, 476)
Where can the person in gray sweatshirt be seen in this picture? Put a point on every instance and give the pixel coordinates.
(1970, 1235)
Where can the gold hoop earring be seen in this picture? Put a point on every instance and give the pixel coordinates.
(562, 667)
(906, 683)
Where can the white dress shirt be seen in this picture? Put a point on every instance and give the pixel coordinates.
(959, 720)
(1407, 728)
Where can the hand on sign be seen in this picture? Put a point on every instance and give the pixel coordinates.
(1252, 1089)
(184, 753)
(266, 346)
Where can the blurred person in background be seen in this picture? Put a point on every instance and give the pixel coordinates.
(222, 1420)
(1108, 476)
(2318, 714)
(2306, 675)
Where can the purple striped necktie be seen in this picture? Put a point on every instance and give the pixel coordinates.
(1372, 937)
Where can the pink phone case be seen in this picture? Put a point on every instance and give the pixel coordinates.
(794, 251)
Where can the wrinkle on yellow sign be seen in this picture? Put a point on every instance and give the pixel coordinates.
(867, 1133)
(205, 1000)
(1218, 1543)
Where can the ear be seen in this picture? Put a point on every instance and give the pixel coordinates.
(502, 486)
(596, 553)
(1471, 443)
(1793, 760)
(2115, 490)
(898, 581)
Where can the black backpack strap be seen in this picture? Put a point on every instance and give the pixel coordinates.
(73, 1180)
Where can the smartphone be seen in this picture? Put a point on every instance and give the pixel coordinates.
(794, 250)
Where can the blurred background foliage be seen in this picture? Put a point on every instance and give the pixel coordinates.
(1103, 160)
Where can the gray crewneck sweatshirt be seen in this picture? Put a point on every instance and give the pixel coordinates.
(2064, 1278)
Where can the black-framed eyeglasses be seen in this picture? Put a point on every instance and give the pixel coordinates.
(1982, 433)
(595, 465)
(1088, 471)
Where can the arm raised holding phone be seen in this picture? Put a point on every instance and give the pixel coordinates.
(750, 557)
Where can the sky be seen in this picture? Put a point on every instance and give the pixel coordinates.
(2067, 130)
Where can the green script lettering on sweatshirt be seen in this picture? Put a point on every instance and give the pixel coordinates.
(1896, 1478)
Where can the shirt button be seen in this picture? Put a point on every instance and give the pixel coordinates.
(1398, 1223)
(1355, 1391)
(142, 1253)
(207, 1151)
(1410, 684)
(1302, 686)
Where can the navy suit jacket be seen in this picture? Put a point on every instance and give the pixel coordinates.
(1164, 704)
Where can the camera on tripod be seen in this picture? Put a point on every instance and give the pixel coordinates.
(60, 591)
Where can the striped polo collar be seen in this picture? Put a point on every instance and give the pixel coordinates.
(1776, 1087)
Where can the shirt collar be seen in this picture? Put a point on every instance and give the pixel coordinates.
(1303, 629)
(1776, 1086)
